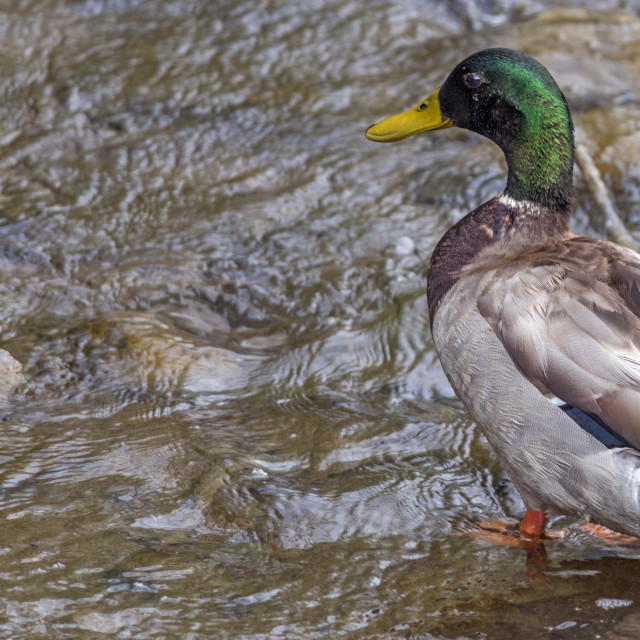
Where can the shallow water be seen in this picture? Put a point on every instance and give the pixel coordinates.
(232, 422)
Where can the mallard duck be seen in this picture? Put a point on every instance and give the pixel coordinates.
(523, 312)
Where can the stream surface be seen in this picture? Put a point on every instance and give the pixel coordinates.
(231, 422)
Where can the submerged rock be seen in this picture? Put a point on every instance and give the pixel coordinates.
(11, 375)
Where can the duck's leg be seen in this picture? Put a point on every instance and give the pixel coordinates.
(532, 525)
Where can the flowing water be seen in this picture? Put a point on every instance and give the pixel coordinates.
(231, 422)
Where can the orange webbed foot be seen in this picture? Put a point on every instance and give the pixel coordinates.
(529, 535)
(607, 535)
(525, 534)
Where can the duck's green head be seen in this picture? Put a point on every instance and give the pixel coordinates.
(511, 99)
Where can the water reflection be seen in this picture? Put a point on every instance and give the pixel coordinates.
(232, 422)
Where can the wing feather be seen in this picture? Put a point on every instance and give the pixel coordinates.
(574, 332)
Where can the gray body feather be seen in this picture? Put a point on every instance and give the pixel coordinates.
(515, 330)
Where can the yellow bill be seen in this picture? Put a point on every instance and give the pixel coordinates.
(423, 117)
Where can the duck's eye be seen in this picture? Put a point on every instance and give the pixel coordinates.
(422, 107)
(472, 80)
